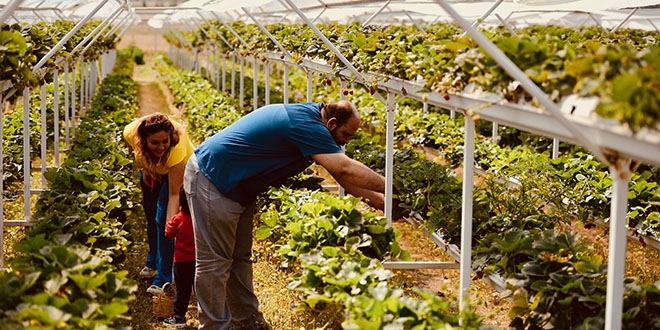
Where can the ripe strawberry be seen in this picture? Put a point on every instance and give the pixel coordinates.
(445, 96)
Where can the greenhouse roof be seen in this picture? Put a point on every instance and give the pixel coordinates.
(609, 14)
(606, 13)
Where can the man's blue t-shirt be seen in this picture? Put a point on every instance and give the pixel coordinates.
(264, 148)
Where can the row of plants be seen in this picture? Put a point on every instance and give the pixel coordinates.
(24, 45)
(67, 273)
(503, 210)
(620, 68)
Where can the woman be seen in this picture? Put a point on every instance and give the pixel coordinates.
(161, 149)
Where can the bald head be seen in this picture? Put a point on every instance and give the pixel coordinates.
(342, 119)
(343, 110)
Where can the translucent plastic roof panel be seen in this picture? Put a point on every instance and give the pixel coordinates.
(607, 13)
(32, 11)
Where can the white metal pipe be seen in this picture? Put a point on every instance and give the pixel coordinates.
(506, 24)
(616, 265)
(241, 79)
(68, 36)
(286, 53)
(66, 106)
(97, 31)
(484, 16)
(373, 16)
(26, 153)
(83, 83)
(216, 31)
(555, 148)
(390, 107)
(43, 135)
(233, 78)
(495, 135)
(325, 40)
(466, 214)
(117, 26)
(56, 116)
(267, 69)
(625, 20)
(310, 89)
(597, 22)
(255, 82)
(9, 9)
(231, 30)
(73, 99)
(224, 73)
(286, 83)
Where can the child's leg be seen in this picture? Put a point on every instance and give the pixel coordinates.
(184, 277)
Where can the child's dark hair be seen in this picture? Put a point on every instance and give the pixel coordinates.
(183, 201)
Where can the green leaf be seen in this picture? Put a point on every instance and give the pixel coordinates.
(262, 233)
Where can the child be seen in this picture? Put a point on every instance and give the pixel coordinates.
(180, 227)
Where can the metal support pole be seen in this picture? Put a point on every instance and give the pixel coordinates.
(241, 80)
(390, 108)
(7, 11)
(495, 136)
(310, 88)
(286, 83)
(233, 78)
(325, 40)
(484, 16)
(43, 135)
(224, 73)
(56, 117)
(506, 25)
(73, 98)
(255, 83)
(466, 216)
(267, 69)
(96, 32)
(67, 122)
(625, 20)
(616, 264)
(286, 53)
(373, 16)
(26, 154)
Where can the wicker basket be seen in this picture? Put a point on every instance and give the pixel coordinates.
(164, 301)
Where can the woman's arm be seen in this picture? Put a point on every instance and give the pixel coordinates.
(175, 179)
